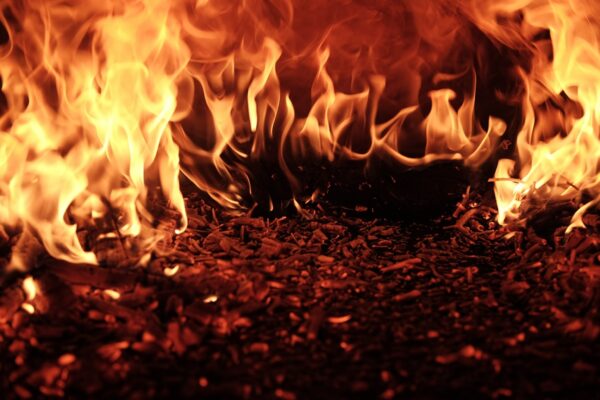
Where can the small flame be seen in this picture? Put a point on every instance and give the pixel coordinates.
(30, 287)
(29, 309)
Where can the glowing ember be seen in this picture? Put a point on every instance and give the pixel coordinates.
(30, 287)
(105, 101)
(171, 271)
(211, 299)
(113, 294)
(28, 308)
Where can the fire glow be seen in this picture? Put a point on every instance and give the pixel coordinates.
(104, 101)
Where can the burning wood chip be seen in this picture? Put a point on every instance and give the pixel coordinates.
(339, 320)
(259, 347)
(30, 309)
(334, 228)
(404, 264)
(466, 352)
(325, 259)
(171, 271)
(113, 294)
(413, 294)
(112, 351)
(211, 299)
(319, 236)
(66, 359)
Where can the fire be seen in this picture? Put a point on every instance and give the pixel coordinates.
(105, 101)
(559, 144)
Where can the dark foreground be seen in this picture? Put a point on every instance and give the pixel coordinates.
(326, 305)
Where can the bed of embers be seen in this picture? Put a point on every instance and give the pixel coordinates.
(329, 302)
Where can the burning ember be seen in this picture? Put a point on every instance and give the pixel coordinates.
(198, 145)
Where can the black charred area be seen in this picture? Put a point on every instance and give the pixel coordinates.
(335, 301)
(385, 188)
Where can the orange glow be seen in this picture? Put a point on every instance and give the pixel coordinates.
(106, 101)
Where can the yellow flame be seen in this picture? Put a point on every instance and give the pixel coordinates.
(557, 151)
(30, 287)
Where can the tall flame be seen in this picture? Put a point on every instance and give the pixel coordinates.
(104, 101)
(558, 146)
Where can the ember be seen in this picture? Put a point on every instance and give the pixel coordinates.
(255, 199)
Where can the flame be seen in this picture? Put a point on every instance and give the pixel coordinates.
(31, 289)
(105, 101)
(559, 143)
(91, 92)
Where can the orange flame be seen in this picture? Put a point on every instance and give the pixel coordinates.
(106, 100)
(559, 145)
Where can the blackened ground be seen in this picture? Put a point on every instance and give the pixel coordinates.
(330, 303)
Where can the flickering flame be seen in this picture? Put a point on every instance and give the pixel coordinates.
(30, 288)
(105, 101)
(558, 147)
